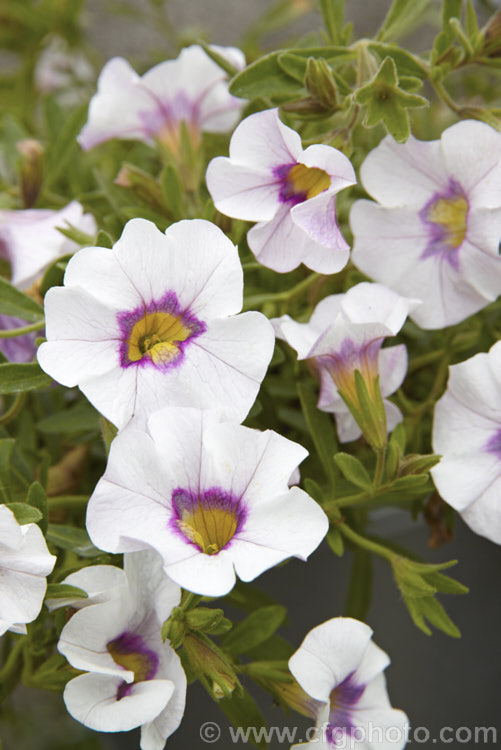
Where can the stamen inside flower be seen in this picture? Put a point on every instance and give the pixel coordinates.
(157, 336)
(446, 215)
(131, 653)
(299, 182)
(209, 520)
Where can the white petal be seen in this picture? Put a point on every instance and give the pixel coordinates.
(148, 584)
(317, 217)
(346, 426)
(113, 393)
(476, 383)
(263, 141)
(376, 303)
(405, 174)
(241, 191)
(155, 733)
(328, 654)
(392, 365)
(483, 515)
(21, 595)
(332, 161)
(374, 661)
(101, 583)
(92, 700)
(209, 575)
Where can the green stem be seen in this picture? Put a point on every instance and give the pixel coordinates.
(11, 333)
(286, 295)
(445, 96)
(190, 600)
(425, 359)
(11, 665)
(368, 544)
(378, 472)
(67, 501)
(15, 408)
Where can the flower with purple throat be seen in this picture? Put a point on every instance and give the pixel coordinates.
(290, 193)
(191, 89)
(434, 230)
(467, 434)
(345, 334)
(212, 498)
(153, 322)
(132, 679)
(341, 669)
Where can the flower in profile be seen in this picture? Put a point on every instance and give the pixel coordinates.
(344, 335)
(467, 434)
(211, 497)
(30, 240)
(340, 667)
(153, 322)
(132, 679)
(290, 193)
(191, 89)
(25, 562)
(434, 231)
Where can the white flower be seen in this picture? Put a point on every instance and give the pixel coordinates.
(152, 322)
(100, 582)
(345, 333)
(435, 231)
(133, 679)
(342, 669)
(63, 69)
(25, 562)
(268, 178)
(30, 239)
(467, 434)
(190, 89)
(211, 498)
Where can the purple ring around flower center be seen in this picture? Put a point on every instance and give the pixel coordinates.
(130, 652)
(493, 445)
(445, 216)
(343, 700)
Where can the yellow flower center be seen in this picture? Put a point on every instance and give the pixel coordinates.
(209, 519)
(157, 336)
(308, 181)
(449, 215)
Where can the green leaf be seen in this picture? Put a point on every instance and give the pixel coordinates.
(275, 647)
(256, 628)
(103, 239)
(335, 541)
(172, 190)
(82, 417)
(69, 537)
(388, 103)
(6, 447)
(24, 513)
(54, 275)
(76, 235)
(333, 17)
(321, 429)
(220, 60)
(64, 145)
(407, 64)
(37, 498)
(243, 711)
(15, 378)
(353, 470)
(450, 9)
(401, 16)
(18, 305)
(64, 591)
(360, 589)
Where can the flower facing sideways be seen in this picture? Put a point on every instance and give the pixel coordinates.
(340, 667)
(467, 433)
(345, 334)
(212, 498)
(268, 178)
(132, 679)
(25, 562)
(435, 229)
(152, 322)
(191, 89)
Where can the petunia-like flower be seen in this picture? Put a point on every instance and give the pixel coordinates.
(191, 89)
(152, 322)
(212, 498)
(467, 433)
(100, 582)
(132, 679)
(30, 239)
(435, 230)
(345, 334)
(268, 178)
(341, 668)
(25, 562)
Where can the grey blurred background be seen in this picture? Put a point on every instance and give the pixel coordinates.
(437, 680)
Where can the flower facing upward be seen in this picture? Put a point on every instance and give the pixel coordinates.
(25, 562)
(152, 322)
(340, 667)
(132, 679)
(435, 230)
(467, 433)
(345, 334)
(268, 178)
(211, 498)
(191, 89)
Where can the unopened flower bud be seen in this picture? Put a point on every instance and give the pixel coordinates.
(31, 170)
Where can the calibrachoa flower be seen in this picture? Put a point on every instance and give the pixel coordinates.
(268, 178)
(100, 582)
(345, 333)
(341, 668)
(25, 562)
(152, 322)
(212, 498)
(133, 679)
(467, 433)
(435, 231)
(30, 239)
(191, 89)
